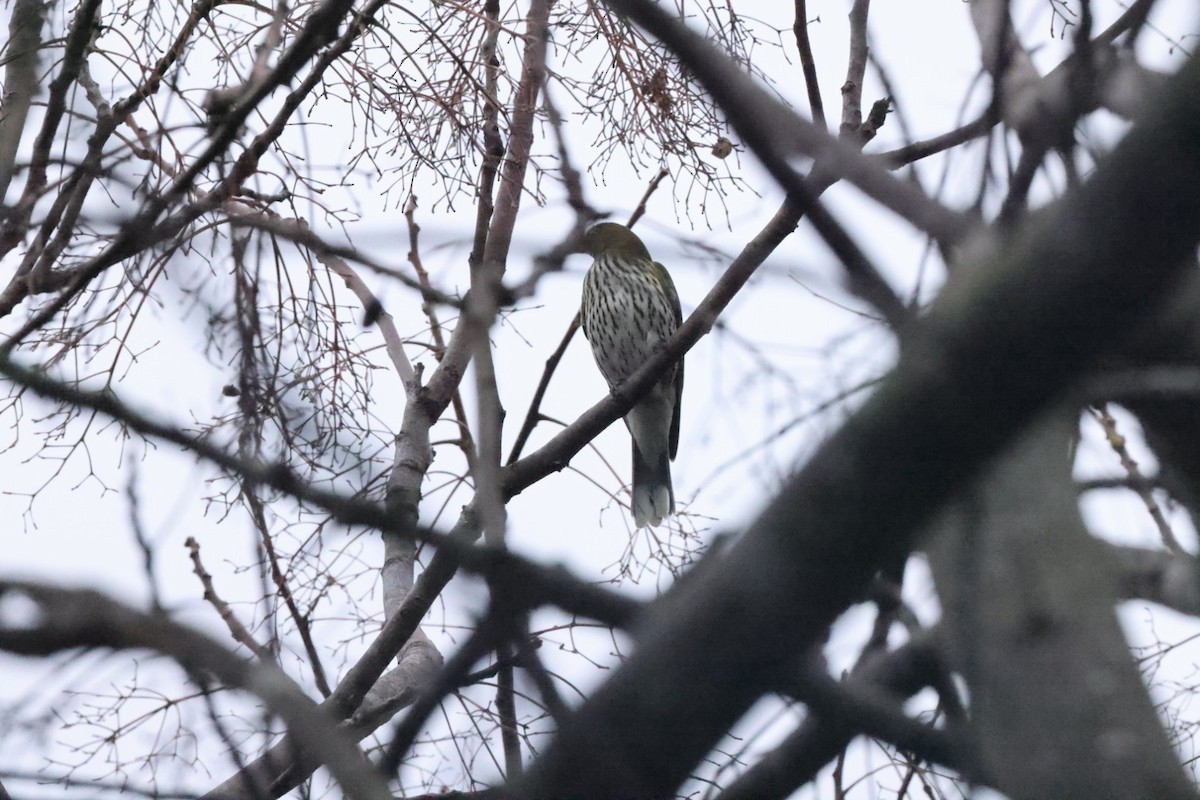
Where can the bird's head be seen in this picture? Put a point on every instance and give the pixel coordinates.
(614, 239)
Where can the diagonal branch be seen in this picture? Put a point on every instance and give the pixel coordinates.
(780, 138)
(997, 346)
(540, 585)
(820, 737)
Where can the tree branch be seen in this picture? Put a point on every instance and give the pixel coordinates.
(63, 619)
(808, 64)
(780, 138)
(820, 737)
(931, 425)
(20, 82)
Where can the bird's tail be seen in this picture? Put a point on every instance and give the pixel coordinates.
(653, 495)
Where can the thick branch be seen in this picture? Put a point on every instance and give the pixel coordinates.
(20, 82)
(1158, 576)
(856, 69)
(820, 737)
(1058, 708)
(780, 138)
(538, 585)
(996, 347)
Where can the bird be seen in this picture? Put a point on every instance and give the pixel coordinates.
(629, 309)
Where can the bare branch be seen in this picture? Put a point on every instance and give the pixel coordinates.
(236, 629)
(640, 208)
(80, 35)
(64, 619)
(780, 586)
(1117, 442)
(780, 138)
(1016, 607)
(856, 70)
(553, 587)
(807, 64)
(20, 82)
(533, 415)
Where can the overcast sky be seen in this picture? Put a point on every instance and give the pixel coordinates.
(795, 340)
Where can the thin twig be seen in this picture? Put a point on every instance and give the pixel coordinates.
(640, 209)
(1137, 481)
(236, 629)
(571, 175)
(540, 585)
(780, 138)
(465, 441)
(301, 620)
(143, 541)
(534, 415)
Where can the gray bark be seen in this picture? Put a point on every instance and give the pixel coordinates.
(1017, 328)
(1057, 705)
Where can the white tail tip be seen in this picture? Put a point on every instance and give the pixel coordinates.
(650, 505)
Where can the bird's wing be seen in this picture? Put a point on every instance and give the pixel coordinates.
(583, 311)
(664, 277)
